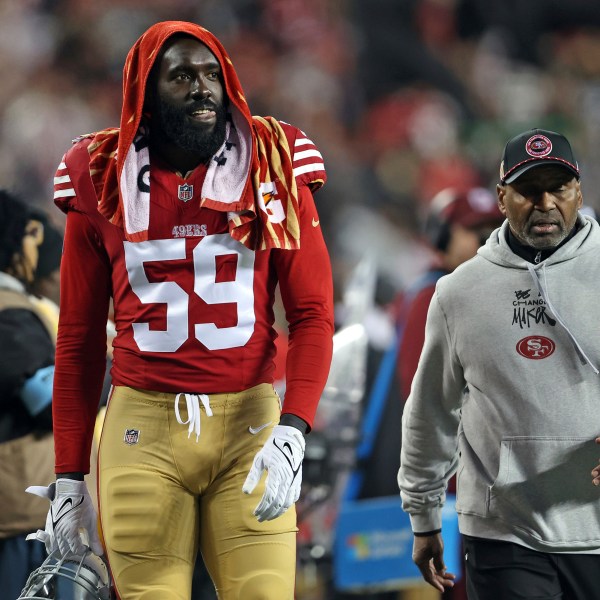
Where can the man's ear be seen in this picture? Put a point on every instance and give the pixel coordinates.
(501, 191)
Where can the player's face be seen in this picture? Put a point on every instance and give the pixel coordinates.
(25, 263)
(189, 107)
(541, 206)
(464, 243)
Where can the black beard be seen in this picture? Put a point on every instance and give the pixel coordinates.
(169, 122)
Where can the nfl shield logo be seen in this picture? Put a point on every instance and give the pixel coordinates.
(132, 436)
(185, 192)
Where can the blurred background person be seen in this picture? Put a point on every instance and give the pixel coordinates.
(26, 375)
(455, 226)
(45, 287)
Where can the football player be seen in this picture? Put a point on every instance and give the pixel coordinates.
(188, 216)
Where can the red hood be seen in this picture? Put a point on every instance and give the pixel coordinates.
(139, 62)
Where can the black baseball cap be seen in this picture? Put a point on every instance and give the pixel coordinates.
(534, 148)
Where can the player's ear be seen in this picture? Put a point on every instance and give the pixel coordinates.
(501, 191)
(579, 196)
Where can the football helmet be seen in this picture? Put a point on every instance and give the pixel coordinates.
(70, 578)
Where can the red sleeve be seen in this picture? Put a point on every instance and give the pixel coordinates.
(413, 338)
(68, 178)
(307, 161)
(306, 287)
(81, 344)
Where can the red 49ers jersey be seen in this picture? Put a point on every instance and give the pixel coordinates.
(193, 307)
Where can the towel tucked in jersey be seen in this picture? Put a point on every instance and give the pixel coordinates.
(251, 176)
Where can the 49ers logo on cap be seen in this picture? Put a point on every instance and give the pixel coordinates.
(538, 145)
(535, 347)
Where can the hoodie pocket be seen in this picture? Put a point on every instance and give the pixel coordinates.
(544, 488)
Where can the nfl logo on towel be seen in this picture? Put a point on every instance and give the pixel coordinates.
(185, 192)
(132, 436)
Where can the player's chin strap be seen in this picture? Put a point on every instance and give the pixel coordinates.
(193, 411)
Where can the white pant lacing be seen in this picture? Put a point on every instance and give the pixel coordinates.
(193, 411)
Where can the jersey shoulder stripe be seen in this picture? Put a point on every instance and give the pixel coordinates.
(64, 191)
(307, 160)
(73, 167)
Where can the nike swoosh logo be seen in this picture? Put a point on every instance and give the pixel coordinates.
(289, 458)
(65, 508)
(315, 222)
(255, 430)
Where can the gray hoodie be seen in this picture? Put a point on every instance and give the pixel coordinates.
(507, 393)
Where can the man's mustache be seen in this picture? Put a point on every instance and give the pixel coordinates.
(203, 106)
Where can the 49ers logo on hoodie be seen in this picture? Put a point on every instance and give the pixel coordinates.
(535, 347)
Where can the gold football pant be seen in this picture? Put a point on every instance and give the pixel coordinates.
(163, 495)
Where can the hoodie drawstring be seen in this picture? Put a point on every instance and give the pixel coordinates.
(542, 288)
(193, 411)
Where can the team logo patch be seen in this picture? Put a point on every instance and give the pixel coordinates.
(132, 436)
(538, 146)
(185, 192)
(535, 347)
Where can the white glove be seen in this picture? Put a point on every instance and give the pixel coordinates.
(71, 519)
(281, 457)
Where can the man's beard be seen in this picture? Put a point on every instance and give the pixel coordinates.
(170, 123)
(546, 242)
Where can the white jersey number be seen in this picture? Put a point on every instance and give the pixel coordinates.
(240, 291)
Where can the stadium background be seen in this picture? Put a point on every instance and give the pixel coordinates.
(403, 97)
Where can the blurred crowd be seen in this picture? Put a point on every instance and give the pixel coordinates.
(404, 98)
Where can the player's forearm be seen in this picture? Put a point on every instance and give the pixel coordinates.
(78, 379)
(307, 369)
